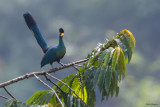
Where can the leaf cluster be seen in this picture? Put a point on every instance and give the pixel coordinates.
(65, 94)
(107, 65)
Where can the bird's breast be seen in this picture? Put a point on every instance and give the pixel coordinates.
(61, 53)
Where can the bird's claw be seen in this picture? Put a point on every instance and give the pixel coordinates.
(61, 63)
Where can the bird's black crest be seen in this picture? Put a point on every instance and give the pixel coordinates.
(61, 30)
(29, 19)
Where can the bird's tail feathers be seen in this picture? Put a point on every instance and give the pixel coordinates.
(31, 23)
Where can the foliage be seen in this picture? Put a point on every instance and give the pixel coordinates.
(105, 68)
(107, 65)
(15, 103)
(65, 94)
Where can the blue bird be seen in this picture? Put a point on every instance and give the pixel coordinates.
(52, 53)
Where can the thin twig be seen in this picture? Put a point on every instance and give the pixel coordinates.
(49, 88)
(75, 67)
(8, 92)
(78, 71)
(54, 83)
(66, 86)
(4, 97)
(40, 73)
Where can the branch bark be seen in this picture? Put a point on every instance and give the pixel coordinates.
(4, 97)
(40, 73)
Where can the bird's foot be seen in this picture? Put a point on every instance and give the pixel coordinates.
(61, 63)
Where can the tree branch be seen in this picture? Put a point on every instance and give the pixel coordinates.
(8, 92)
(49, 88)
(40, 73)
(4, 97)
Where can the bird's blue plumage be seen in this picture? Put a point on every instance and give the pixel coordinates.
(36, 31)
(53, 53)
(38, 35)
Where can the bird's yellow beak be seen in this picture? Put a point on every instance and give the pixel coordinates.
(62, 34)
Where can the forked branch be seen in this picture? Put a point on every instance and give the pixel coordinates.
(26, 76)
(49, 88)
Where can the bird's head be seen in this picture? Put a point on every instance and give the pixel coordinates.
(61, 32)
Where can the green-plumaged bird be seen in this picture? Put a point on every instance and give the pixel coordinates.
(52, 53)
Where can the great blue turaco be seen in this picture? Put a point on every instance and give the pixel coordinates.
(52, 53)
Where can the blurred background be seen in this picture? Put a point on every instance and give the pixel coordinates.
(86, 22)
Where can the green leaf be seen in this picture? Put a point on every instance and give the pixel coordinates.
(117, 91)
(72, 101)
(93, 60)
(96, 75)
(123, 47)
(69, 100)
(108, 57)
(125, 42)
(114, 84)
(101, 78)
(91, 98)
(131, 47)
(121, 66)
(78, 103)
(103, 94)
(101, 58)
(131, 36)
(40, 97)
(128, 39)
(108, 77)
(67, 80)
(115, 58)
(74, 80)
(90, 79)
